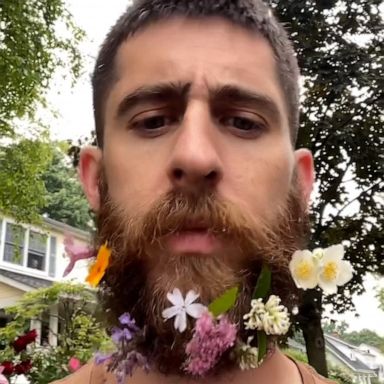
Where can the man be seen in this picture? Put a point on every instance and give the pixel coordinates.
(195, 182)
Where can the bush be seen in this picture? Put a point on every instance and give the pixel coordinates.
(296, 355)
(340, 375)
(81, 333)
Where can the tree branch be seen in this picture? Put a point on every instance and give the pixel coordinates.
(356, 198)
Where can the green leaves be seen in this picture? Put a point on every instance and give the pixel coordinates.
(263, 284)
(81, 333)
(224, 303)
(31, 51)
(262, 344)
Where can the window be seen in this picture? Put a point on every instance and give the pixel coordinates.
(14, 244)
(37, 249)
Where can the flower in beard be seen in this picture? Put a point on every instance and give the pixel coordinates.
(183, 307)
(254, 318)
(126, 367)
(139, 256)
(275, 318)
(126, 358)
(247, 356)
(271, 317)
(211, 338)
(98, 269)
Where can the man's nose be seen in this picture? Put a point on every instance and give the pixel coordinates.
(195, 161)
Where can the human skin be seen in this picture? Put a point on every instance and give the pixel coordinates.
(239, 149)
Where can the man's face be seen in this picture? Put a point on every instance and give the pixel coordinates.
(206, 137)
(197, 109)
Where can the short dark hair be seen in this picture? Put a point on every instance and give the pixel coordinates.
(253, 15)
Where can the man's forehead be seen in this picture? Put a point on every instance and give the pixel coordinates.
(197, 44)
(203, 53)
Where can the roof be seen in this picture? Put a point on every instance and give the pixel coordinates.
(62, 227)
(356, 365)
(30, 281)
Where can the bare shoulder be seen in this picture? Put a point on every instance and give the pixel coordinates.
(88, 374)
(308, 371)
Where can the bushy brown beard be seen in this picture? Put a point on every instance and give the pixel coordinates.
(141, 272)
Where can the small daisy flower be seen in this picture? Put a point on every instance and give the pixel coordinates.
(183, 307)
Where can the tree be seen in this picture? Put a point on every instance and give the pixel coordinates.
(22, 189)
(365, 336)
(339, 46)
(81, 334)
(334, 327)
(32, 48)
(65, 200)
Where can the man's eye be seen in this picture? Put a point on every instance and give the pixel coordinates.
(153, 124)
(243, 125)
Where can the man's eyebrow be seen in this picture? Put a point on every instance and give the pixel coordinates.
(153, 93)
(236, 95)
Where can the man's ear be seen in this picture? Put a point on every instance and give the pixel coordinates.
(89, 172)
(305, 172)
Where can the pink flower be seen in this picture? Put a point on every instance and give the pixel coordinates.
(75, 253)
(3, 379)
(74, 364)
(211, 338)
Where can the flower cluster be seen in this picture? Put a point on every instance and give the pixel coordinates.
(247, 356)
(19, 346)
(211, 338)
(126, 359)
(271, 317)
(323, 267)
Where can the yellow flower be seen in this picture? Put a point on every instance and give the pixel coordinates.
(99, 267)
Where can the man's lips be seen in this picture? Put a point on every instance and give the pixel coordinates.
(197, 241)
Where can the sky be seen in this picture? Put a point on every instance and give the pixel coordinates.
(74, 107)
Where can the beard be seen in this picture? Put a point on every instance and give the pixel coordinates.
(142, 270)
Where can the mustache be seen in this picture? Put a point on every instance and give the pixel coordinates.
(177, 211)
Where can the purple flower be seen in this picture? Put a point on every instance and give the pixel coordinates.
(119, 335)
(101, 358)
(210, 340)
(129, 364)
(126, 319)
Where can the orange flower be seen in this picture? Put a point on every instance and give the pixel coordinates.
(98, 269)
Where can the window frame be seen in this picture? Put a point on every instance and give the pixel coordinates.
(23, 267)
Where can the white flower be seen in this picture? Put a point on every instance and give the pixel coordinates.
(333, 270)
(255, 315)
(247, 356)
(181, 307)
(303, 267)
(275, 318)
(271, 317)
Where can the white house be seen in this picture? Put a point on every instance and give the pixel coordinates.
(358, 362)
(32, 257)
(375, 360)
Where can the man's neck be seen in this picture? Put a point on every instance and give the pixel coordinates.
(277, 369)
